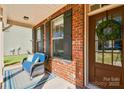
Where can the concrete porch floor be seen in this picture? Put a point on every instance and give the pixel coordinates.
(55, 83)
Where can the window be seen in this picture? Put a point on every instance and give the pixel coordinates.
(38, 34)
(112, 54)
(62, 36)
(97, 6)
(58, 36)
(48, 31)
(39, 40)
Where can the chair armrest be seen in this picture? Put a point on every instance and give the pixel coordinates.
(35, 65)
(23, 60)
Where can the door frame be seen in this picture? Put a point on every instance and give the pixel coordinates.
(93, 73)
(86, 37)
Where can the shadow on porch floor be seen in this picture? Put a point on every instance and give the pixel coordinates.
(54, 83)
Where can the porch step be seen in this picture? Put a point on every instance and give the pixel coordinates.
(92, 86)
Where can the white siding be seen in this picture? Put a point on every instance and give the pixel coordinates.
(16, 37)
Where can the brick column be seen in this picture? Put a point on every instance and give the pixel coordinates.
(78, 43)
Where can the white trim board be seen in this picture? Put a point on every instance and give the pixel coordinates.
(103, 9)
(1, 52)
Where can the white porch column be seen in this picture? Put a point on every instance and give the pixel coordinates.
(1, 52)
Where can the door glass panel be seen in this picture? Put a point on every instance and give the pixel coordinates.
(117, 58)
(117, 52)
(99, 57)
(109, 52)
(98, 50)
(118, 19)
(108, 58)
(98, 46)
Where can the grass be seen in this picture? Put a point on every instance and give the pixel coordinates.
(12, 59)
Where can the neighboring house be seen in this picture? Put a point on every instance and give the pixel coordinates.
(18, 38)
(75, 53)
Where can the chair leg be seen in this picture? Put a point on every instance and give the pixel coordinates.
(31, 78)
(22, 69)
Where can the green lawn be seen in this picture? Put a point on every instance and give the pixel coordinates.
(9, 60)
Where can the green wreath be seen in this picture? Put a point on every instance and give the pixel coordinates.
(108, 30)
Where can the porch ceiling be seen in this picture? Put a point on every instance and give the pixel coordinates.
(35, 12)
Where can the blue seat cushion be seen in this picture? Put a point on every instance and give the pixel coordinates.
(27, 65)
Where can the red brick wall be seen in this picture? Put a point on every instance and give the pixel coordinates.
(73, 71)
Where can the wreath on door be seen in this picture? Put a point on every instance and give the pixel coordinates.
(108, 30)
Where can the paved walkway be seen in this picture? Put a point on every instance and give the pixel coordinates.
(56, 83)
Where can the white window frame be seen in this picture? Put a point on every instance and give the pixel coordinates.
(53, 38)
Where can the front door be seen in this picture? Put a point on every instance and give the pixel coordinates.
(106, 66)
